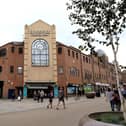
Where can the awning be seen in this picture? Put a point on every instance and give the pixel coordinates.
(102, 84)
(107, 85)
(36, 87)
(98, 83)
(39, 86)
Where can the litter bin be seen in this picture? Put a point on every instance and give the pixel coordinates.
(98, 94)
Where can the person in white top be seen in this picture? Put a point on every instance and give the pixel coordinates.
(110, 98)
(41, 95)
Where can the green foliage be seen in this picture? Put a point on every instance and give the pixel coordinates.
(122, 67)
(107, 17)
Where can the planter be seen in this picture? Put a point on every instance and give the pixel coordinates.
(90, 94)
(92, 119)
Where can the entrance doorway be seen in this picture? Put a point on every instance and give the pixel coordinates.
(1, 89)
(36, 87)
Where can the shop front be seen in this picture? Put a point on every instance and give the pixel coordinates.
(71, 90)
(89, 88)
(74, 89)
(1, 89)
(101, 88)
(30, 88)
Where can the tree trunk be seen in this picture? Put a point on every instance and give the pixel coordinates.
(119, 88)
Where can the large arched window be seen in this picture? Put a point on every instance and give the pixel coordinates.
(40, 53)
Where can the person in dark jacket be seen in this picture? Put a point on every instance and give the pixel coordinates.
(50, 100)
(117, 100)
(61, 98)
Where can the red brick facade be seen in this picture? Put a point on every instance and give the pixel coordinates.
(11, 65)
(41, 63)
(73, 67)
(77, 68)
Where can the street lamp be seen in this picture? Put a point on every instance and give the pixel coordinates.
(100, 53)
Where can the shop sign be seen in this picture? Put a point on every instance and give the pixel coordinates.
(39, 33)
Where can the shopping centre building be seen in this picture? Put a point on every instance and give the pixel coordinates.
(39, 62)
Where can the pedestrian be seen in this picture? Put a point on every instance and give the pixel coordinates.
(13, 95)
(41, 95)
(110, 98)
(34, 95)
(50, 99)
(61, 98)
(38, 96)
(117, 100)
(19, 98)
(124, 91)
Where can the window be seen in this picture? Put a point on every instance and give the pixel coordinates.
(73, 54)
(11, 69)
(68, 52)
(78, 73)
(89, 60)
(40, 53)
(59, 50)
(12, 49)
(74, 71)
(3, 52)
(20, 70)
(88, 75)
(84, 58)
(0, 69)
(60, 69)
(20, 50)
(77, 55)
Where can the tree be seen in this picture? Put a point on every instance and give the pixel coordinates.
(105, 17)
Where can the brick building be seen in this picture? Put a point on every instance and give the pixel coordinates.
(11, 68)
(41, 63)
(123, 77)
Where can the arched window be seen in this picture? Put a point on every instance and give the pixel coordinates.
(40, 53)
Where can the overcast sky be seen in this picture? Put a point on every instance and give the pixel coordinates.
(16, 13)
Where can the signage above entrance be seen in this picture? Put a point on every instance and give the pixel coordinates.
(40, 33)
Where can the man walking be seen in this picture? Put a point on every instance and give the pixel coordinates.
(38, 96)
(50, 100)
(61, 98)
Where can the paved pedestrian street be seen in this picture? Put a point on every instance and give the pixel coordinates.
(30, 113)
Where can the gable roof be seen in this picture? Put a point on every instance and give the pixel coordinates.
(39, 21)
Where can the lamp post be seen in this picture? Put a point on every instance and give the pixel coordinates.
(100, 54)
